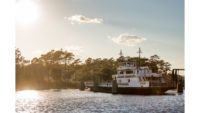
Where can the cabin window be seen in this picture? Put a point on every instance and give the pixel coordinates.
(128, 80)
(121, 72)
(129, 72)
(129, 76)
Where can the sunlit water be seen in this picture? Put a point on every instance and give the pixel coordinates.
(75, 101)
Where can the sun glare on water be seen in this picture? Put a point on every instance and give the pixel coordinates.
(28, 94)
(26, 11)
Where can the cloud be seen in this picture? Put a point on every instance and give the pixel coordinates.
(127, 40)
(83, 19)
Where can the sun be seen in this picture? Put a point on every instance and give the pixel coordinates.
(26, 11)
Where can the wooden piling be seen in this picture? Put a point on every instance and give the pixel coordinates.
(179, 87)
(114, 87)
(82, 86)
(95, 86)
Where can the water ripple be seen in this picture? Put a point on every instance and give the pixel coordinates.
(75, 101)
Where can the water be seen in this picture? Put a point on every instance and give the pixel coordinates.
(75, 101)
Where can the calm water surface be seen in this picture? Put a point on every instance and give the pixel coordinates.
(75, 101)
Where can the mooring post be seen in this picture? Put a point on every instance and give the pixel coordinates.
(173, 79)
(176, 76)
(179, 87)
(82, 86)
(96, 84)
(114, 87)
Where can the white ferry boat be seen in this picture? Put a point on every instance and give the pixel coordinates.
(133, 79)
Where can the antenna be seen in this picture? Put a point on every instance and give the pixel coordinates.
(139, 52)
(120, 53)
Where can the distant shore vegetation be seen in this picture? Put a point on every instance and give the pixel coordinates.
(58, 69)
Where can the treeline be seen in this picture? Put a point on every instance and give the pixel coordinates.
(60, 69)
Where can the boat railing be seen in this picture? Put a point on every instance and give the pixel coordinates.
(105, 84)
(89, 84)
(163, 84)
(102, 84)
(125, 67)
(126, 76)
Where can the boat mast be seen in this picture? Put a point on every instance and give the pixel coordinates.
(121, 58)
(139, 52)
(120, 54)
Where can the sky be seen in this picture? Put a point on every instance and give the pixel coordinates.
(101, 28)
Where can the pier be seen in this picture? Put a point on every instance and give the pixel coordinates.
(178, 80)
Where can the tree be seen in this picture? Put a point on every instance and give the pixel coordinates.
(20, 67)
(158, 65)
(58, 68)
(19, 59)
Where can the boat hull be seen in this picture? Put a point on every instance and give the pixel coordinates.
(134, 90)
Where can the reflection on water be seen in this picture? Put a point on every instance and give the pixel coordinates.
(75, 101)
(27, 94)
